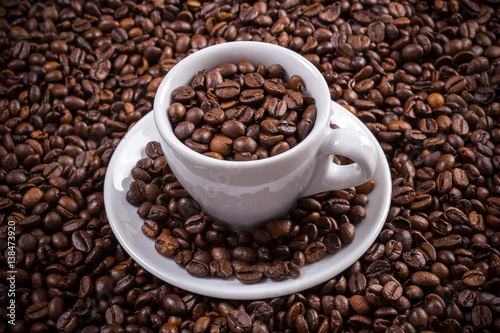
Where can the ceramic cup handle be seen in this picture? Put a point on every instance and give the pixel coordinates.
(349, 143)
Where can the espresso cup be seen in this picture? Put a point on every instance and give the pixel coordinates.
(244, 194)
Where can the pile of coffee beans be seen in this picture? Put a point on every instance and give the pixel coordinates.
(317, 226)
(242, 112)
(422, 75)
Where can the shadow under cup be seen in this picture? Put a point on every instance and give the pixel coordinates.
(243, 194)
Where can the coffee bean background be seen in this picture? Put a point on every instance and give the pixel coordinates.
(422, 75)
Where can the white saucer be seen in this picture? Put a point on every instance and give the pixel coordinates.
(126, 224)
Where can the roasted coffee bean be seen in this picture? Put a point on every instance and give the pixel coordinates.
(114, 315)
(174, 304)
(184, 130)
(357, 283)
(337, 206)
(100, 69)
(245, 254)
(473, 279)
(392, 291)
(221, 144)
(153, 150)
(183, 94)
(481, 316)
(227, 90)
(176, 112)
(214, 116)
(347, 232)
(37, 311)
(251, 96)
(221, 268)
(315, 251)
(67, 322)
(232, 129)
(248, 275)
(166, 245)
(197, 268)
(403, 195)
(425, 279)
(150, 228)
(82, 241)
(239, 321)
(277, 108)
(253, 80)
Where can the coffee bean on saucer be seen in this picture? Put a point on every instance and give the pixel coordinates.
(166, 245)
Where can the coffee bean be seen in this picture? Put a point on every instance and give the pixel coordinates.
(227, 90)
(67, 321)
(412, 52)
(82, 241)
(493, 205)
(183, 94)
(473, 278)
(357, 283)
(233, 129)
(315, 251)
(150, 228)
(392, 291)
(481, 316)
(221, 268)
(166, 245)
(239, 321)
(274, 87)
(425, 279)
(347, 233)
(278, 228)
(114, 315)
(197, 268)
(153, 150)
(244, 144)
(173, 304)
(184, 130)
(403, 195)
(221, 144)
(253, 80)
(37, 311)
(227, 69)
(251, 96)
(56, 308)
(248, 275)
(176, 112)
(100, 69)
(245, 254)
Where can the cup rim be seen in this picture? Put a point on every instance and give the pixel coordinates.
(165, 128)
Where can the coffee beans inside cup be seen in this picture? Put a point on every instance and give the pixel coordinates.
(317, 226)
(242, 111)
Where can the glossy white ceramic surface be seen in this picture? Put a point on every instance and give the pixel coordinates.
(126, 224)
(245, 194)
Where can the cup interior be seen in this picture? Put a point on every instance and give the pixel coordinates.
(234, 52)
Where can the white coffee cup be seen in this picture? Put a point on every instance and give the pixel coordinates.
(246, 194)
